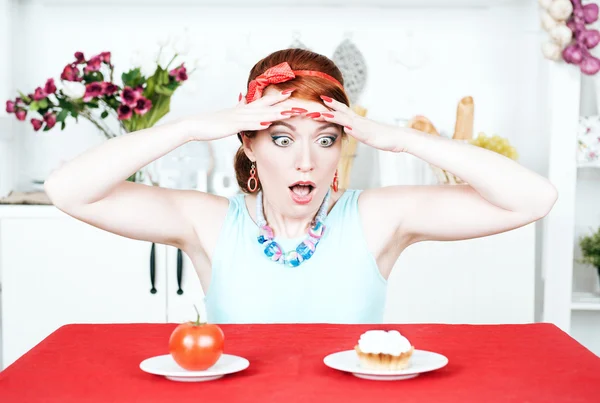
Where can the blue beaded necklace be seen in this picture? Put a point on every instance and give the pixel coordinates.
(305, 249)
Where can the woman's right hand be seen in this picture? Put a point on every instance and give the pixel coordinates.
(257, 115)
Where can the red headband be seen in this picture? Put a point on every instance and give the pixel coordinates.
(279, 74)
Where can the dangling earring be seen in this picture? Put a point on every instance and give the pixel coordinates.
(334, 185)
(252, 182)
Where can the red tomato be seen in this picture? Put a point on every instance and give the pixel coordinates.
(196, 346)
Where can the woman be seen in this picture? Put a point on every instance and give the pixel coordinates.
(294, 247)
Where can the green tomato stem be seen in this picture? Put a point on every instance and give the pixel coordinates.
(198, 323)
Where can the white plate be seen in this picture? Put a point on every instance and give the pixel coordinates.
(165, 365)
(421, 361)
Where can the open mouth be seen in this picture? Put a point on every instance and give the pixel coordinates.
(302, 192)
(302, 189)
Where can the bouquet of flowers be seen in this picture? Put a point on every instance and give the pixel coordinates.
(88, 90)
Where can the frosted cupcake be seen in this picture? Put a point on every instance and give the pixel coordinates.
(381, 350)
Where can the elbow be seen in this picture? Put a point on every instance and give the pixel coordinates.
(50, 191)
(54, 194)
(546, 202)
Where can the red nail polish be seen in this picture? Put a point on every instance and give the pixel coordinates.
(288, 91)
(348, 127)
(301, 110)
(327, 115)
(240, 97)
(289, 113)
(326, 99)
(313, 115)
(265, 123)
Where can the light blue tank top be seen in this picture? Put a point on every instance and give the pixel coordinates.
(340, 283)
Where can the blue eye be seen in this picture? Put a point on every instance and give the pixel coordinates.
(282, 141)
(328, 141)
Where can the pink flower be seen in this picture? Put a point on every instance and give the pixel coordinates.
(50, 88)
(124, 112)
(21, 114)
(143, 105)
(10, 107)
(39, 94)
(50, 119)
(109, 88)
(139, 90)
(105, 57)
(37, 124)
(93, 64)
(130, 96)
(71, 73)
(179, 73)
(92, 90)
(79, 58)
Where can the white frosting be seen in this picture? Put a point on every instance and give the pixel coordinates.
(380, 341)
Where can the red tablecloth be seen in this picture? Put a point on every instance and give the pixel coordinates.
(487, 363)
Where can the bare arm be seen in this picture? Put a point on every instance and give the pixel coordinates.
(501, 194)
(93, 188)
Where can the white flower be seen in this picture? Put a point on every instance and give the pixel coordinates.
(73, 89)
(181, 44)
(182, 47)
(148, 68)
(164, 41)
(164, 58)
(137, 57)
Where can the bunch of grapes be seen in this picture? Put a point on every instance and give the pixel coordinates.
(497, 144)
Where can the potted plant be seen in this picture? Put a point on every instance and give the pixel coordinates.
(88, 90)
(590, 249)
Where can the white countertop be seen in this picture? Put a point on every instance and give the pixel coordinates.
(30, 211)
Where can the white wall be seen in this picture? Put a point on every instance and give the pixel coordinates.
(491, 54)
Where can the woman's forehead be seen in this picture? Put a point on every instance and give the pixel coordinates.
(292, 102)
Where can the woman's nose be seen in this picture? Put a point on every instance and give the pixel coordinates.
(304, 161)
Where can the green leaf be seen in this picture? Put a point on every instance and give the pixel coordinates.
(62, 125)
(173, 85)
(163, 90)
(104, 114)
(163, 78)
(34, 106)
(62, 115)
(133, 78)
(74, 114)
(92, 104)
(150, 86)
(25, 98)
(43, 103)
(93, 76)
(112, 101)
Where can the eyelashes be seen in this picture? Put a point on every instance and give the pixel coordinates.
(285, 141)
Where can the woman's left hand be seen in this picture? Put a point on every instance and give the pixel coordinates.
(381, 136)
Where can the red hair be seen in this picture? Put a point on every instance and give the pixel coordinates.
(309, 88)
